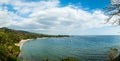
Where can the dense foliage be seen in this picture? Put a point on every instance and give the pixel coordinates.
(8, 38)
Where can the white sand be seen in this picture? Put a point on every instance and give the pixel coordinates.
(20, 44)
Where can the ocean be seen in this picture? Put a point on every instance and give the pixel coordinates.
(82, 48)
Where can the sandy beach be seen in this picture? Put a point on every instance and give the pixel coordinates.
(22, 42)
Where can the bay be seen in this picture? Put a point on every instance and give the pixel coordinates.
(82, 48)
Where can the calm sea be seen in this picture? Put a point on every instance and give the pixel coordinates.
(82, 48)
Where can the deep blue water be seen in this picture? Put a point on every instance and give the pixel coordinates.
(83, 48)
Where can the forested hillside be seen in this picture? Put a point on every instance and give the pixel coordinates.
(8, 38)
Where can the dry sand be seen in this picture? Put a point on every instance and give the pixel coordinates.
(20, 44)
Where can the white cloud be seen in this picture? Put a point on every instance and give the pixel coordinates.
(6, 18)
(48, 17)
(27, 7)
(68, 19)
(4, 1)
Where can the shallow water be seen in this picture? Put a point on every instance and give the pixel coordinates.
(83, 48)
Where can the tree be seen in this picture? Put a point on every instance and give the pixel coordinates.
(114, 12)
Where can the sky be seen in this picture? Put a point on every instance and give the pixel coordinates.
(68, 17)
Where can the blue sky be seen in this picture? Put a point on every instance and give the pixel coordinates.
(72, 17)
(91, 4)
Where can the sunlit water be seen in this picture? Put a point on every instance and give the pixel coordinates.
(83, 48)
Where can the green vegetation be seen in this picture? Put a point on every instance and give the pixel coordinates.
(112, 54)
(69, 59)
(116, 59)
(8, 38)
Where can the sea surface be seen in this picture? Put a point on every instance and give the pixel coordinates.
(82, 48)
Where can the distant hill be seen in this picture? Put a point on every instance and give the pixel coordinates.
(8, 38)
(25, 34)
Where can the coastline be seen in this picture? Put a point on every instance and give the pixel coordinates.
(25, 40)
(20, 44)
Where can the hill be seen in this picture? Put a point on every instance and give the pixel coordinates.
(8, 38)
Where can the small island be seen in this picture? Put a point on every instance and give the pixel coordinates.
(9, 51)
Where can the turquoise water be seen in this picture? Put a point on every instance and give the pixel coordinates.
(83, 48)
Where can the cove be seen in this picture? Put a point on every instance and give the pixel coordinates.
(82, 48)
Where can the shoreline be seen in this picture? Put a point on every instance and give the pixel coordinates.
(20, 44)
(25, 40)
